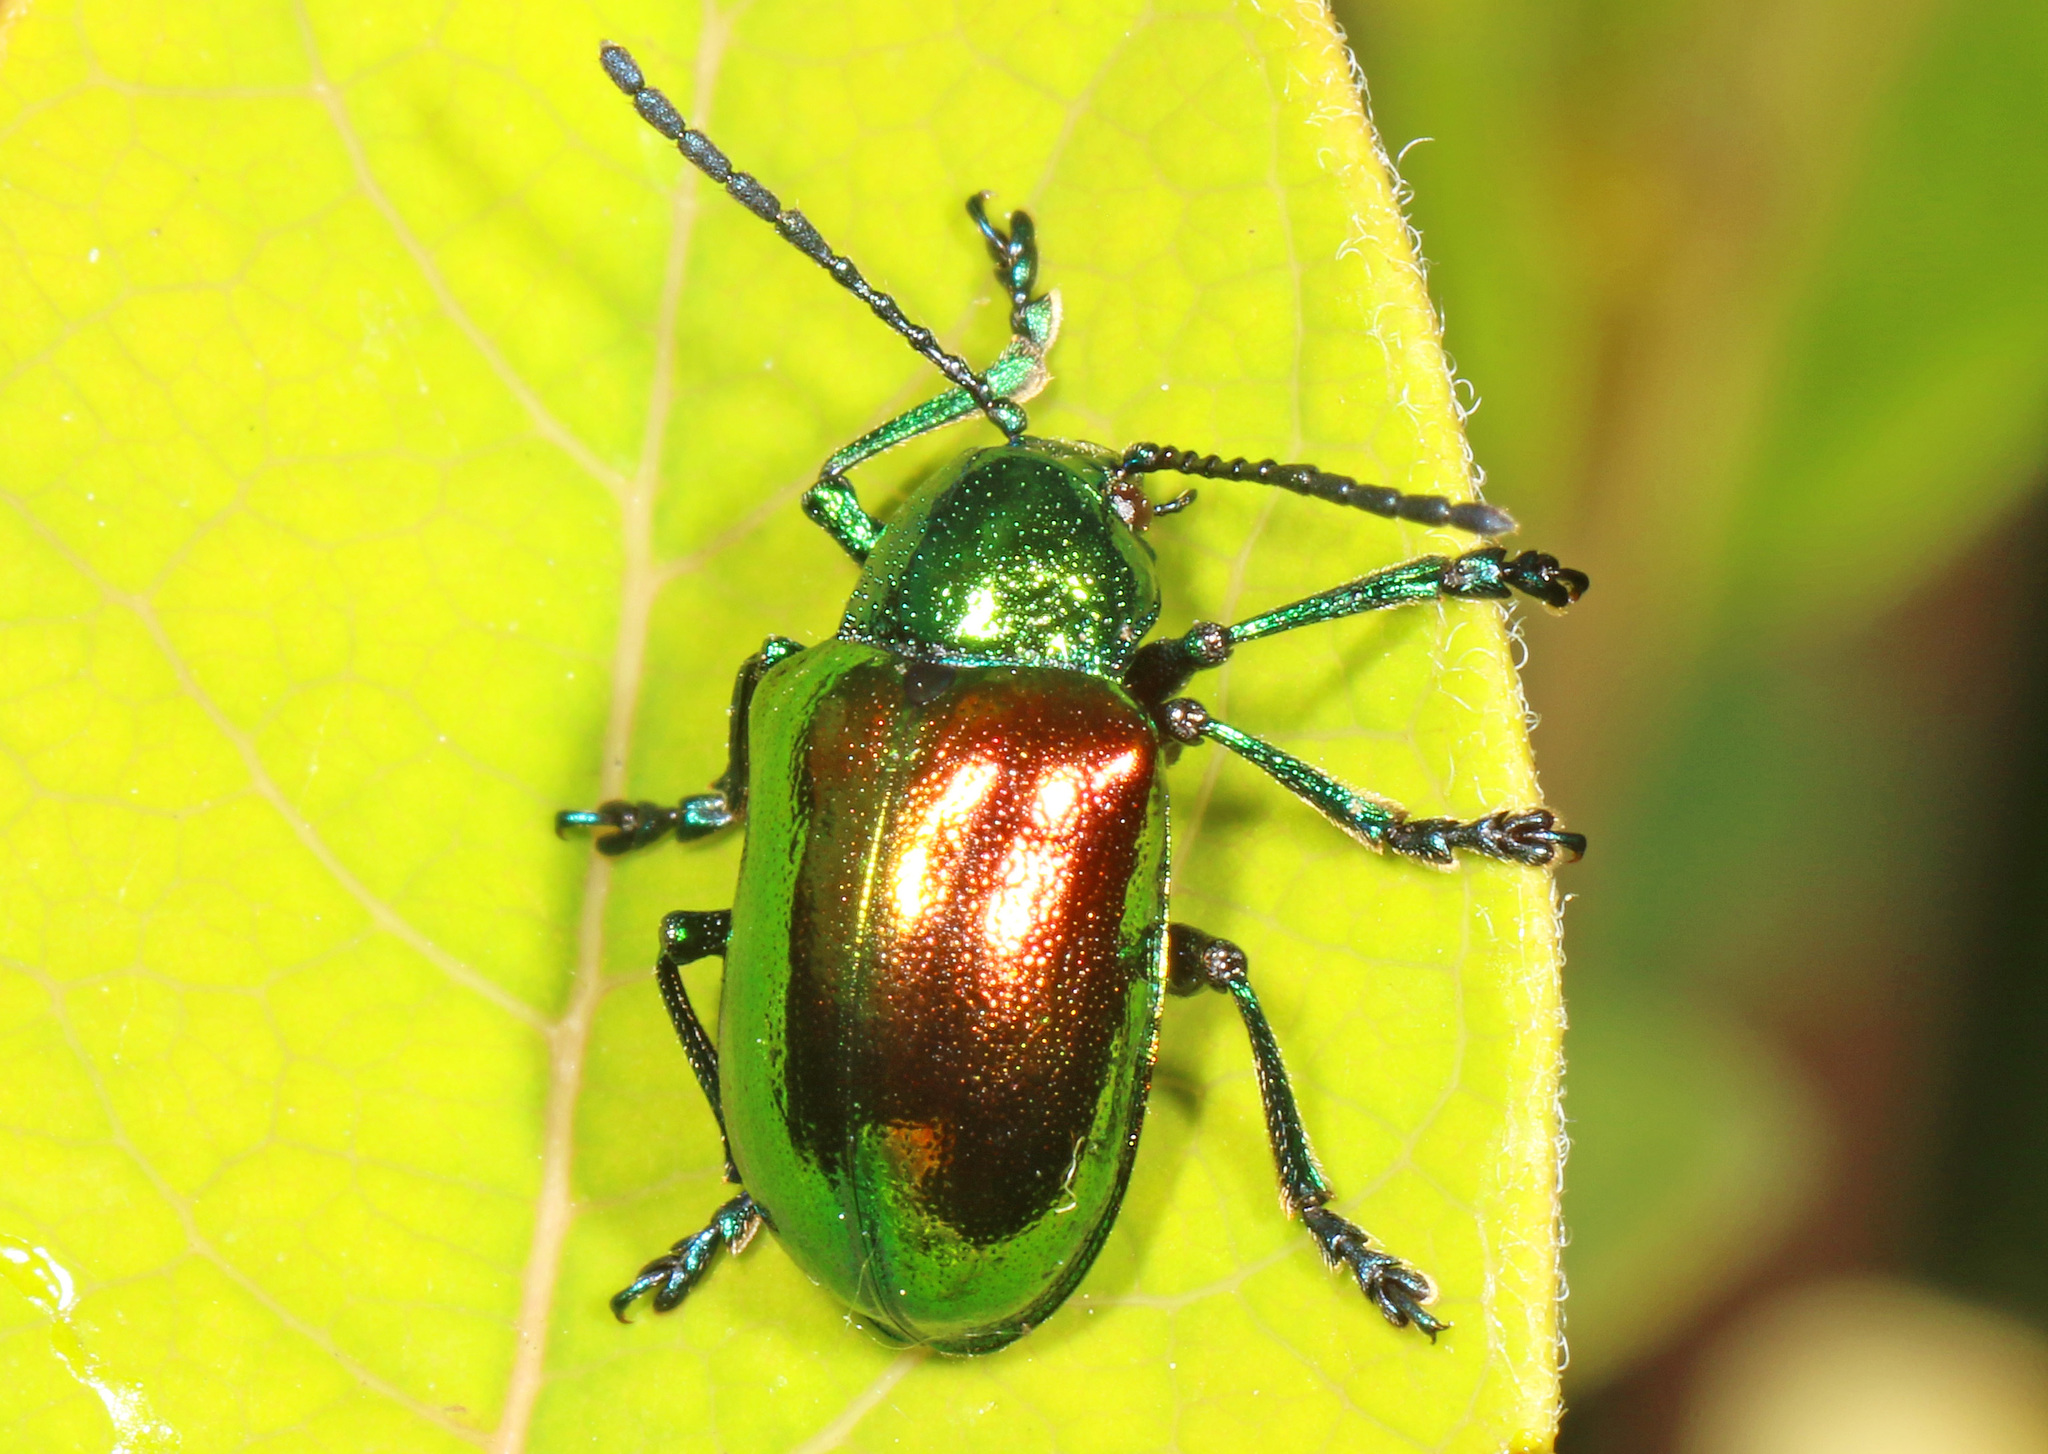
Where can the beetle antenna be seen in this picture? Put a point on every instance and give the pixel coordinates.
(660, 113)
(1475, 516)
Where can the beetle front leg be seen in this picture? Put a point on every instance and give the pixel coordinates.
(1197, 961)
(672, 1276)
(1529, 837)
(1163, 667)
(635, 825)
(834, 508)
(1016, 375)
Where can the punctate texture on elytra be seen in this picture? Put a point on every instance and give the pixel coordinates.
(941, 993)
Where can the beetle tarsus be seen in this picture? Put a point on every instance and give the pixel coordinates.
(1015, 254)
(1489, 574)
(1531, 837)
(673, 1275)
(1535, 574)
(1396, 1289)
(635, 825)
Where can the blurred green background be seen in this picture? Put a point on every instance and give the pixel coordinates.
(1757, 298)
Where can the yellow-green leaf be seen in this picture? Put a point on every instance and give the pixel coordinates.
(399, 446)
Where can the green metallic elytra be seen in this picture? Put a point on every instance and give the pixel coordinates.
(949, 949)
(831, 1045)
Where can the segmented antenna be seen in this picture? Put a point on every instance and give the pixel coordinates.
(660, 113)
(1305, 479)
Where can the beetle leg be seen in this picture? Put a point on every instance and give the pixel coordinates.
(686, 937)
(1161, 668)
(1473, 516)
(671, 1276)
(1198, 961)
(1017, 374)
(1015, 254)
(1530, 837)
(834, 508)
(635, 825)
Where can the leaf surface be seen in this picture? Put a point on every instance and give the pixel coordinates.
(401, 446)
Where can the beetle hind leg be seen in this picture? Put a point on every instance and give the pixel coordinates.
(672, 1276)
(1197, 961)
(1396, 1289)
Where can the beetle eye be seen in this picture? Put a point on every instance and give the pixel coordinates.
(1130, 504)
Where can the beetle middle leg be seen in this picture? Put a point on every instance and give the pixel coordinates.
(1531, 836)
(1197, 961)
(628, 826)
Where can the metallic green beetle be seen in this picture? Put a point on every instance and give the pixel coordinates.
(949, 947)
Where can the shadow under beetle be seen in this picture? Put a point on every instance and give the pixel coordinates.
(948, 949)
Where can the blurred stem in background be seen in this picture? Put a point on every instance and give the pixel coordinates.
(1757, 294)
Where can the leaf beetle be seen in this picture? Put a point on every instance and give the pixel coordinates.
(949, 946)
